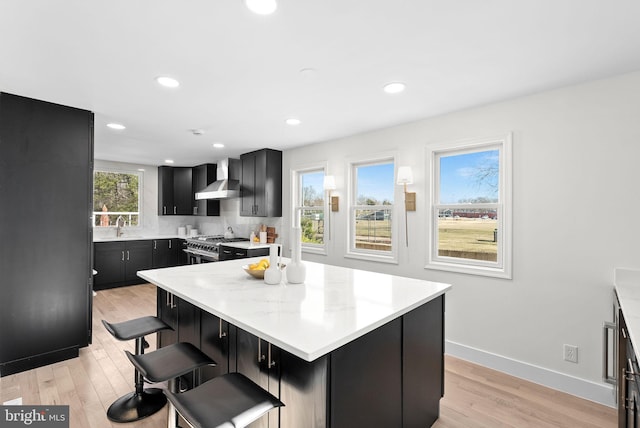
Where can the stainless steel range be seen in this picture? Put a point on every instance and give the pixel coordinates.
(205, 249)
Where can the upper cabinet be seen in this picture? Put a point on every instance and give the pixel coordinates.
(175, 191)
(203, 175)
(261, 184)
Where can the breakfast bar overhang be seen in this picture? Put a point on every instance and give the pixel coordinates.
(347, 348)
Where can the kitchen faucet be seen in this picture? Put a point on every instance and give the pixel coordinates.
(118, 227)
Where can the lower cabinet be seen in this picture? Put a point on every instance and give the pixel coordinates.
(215, 339)
(165, 252)
(117, 262)
(259, 361)
(628, 379)
(167, 311)
(390, 377)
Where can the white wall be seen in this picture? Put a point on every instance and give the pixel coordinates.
(152, 224)
(576, 152)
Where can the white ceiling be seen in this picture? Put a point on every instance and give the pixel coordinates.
(240, 72)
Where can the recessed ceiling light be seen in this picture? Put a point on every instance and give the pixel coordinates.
(394, 87)
(218, 145)
(293, 121)
(168, 82)
(141, 169)
(116, 126)
(168, 161)
(261, 7)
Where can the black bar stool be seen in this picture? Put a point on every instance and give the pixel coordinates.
(168, 364)
(230, 400)
(142, 402)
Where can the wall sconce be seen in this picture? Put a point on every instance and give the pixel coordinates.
(329, 184)
(405, 176)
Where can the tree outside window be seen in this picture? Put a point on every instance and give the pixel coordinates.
(471, 214)
(116, 194)
(311, 207)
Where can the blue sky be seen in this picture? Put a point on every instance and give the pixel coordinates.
(377, 181)
(459, 180)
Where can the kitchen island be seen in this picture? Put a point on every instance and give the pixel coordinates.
(347, 348)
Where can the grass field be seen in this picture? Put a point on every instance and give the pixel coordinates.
(462, 237)
(468, 237)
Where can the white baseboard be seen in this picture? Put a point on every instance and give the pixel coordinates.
(599, 393)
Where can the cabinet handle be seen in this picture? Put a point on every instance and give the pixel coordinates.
(270, 362)
(605, 360)
(164, 210)
(155, 244)
(123, 256)
(166, 299)
(174, 210)
(127, 255)
(623, 387)
(260, 356)
(630, 371)
(169, 243)
(221, 333)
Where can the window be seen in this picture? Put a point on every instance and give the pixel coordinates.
(116, 194)
(471, 207)
(311, 208)
(371, 210)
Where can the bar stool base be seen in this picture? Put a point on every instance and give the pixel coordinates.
(135, 406)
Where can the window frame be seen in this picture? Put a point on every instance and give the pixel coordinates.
(140, 175)
(367, 254)
(502, 268)
(296, 205)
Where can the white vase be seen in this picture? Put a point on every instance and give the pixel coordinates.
(296, 271)
(273, 275)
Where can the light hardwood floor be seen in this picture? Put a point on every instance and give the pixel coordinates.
(474, 396)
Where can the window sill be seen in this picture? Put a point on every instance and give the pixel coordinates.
(470, 269)
(322, 251)
(372, 258)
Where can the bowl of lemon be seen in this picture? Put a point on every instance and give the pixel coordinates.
(256, 270)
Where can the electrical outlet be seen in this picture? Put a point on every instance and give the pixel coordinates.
(570, 353)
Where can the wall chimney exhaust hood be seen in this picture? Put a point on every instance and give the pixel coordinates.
(227, 184)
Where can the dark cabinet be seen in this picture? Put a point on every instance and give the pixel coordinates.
(175, 191)
(117, 263)
(259, 361)
(391, 377)
(165, 252)
(167, 311)
(628, 379)
(214, 341)
(232, 253)
(46, 185)
(204, 175)
(261, 184)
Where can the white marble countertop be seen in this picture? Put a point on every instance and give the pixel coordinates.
(135, 238)
(333, 307)
(245, 245)
(627, 286)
